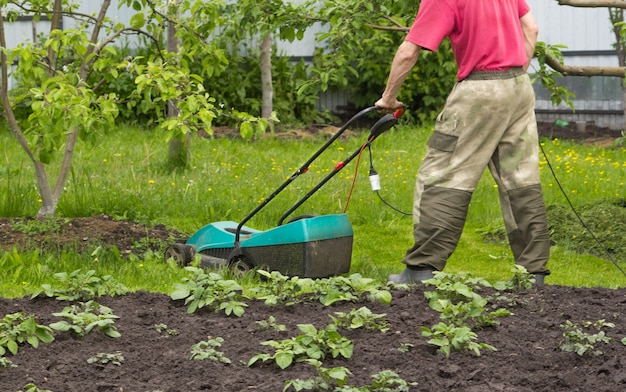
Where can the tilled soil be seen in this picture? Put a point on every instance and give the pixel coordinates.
(527, 356)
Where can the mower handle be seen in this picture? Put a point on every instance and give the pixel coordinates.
(381, 125)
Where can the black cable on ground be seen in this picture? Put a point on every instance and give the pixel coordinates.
(585, 226)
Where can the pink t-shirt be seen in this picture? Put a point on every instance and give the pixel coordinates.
(486, 35)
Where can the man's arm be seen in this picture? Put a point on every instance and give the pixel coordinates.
(403, 62)
(530, 31)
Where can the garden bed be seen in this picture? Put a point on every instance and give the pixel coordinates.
(159, 359)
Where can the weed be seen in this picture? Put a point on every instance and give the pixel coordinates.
(36, 226)
(105, 358)
(79, 286)
(84, 317)
(210, 290)
(208, 350)
(17, 328)
(582, 343)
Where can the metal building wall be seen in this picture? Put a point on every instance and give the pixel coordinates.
(588, 37)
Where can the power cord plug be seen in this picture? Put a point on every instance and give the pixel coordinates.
(374, 179)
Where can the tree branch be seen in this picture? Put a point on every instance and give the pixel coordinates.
(594, 3)
(566, 70)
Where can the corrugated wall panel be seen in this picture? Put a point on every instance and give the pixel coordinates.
(578, 28)
(589, 39)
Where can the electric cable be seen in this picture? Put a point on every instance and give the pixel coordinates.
(356, 172)
(377, 189)
(580, 219)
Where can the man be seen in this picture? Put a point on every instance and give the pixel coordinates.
(488, 121)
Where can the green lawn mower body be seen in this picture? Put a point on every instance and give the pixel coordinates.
(307, 246)
(317, 246)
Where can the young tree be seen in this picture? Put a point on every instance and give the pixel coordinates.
(55, 85)
(53, 76)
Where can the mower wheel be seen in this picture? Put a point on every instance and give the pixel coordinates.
(240, 266)
(182, 254)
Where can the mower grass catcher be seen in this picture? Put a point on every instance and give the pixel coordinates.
(307, 246)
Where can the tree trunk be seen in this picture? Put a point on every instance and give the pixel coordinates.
(179, 148)
(266, 77)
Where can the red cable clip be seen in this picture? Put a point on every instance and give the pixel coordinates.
(339, 166)
(399, 112)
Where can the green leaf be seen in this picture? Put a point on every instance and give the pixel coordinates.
(33, 341)
(62, 326)
(112, 333)
(246, 130)
(180, 292)
(12, 346)
(284, 359)
(137, 21)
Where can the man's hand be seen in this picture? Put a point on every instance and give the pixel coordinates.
(388, 105)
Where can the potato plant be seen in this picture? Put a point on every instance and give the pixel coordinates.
(17, 328)
(86, 316)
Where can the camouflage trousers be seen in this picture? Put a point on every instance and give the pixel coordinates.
(488, 121)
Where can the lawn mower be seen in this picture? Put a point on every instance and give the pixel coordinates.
(308, 245)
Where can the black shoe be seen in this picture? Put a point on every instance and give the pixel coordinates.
(539, 280)
(410, 275)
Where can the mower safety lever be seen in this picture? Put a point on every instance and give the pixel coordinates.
(386, 122)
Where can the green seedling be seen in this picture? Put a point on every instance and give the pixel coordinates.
(457, 301)
(278, 289)
(450, 337)
(7, 363)
(312, 344)
(521, 281)
(582, 343)
(17, 328)
(79, 286)
(405, 347)
(210, 290)
(271, 323)
(361, 318)
(84, 317)
(37, 226)
(325, 381)
(33, 388)
(351, 289)
(105, 358)
(162, 328)
(335, 379)
(208, 350)
(386, 381)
